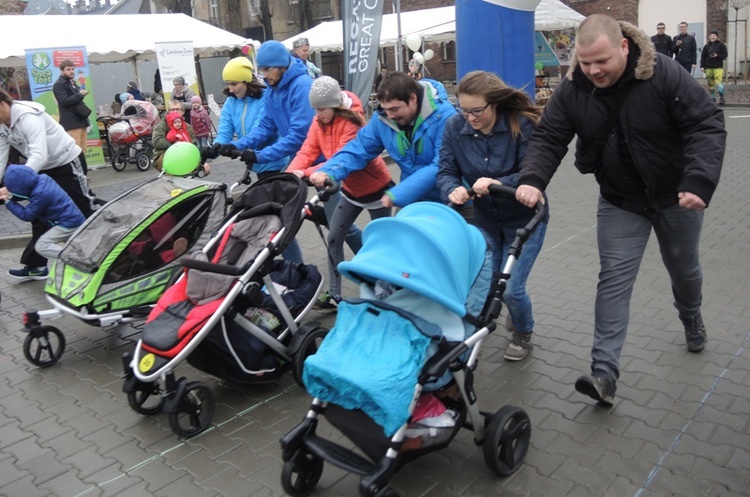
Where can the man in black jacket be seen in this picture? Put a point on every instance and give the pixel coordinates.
(685, 49)
(662, 41)
(73, 116)
(712, 62)
(655, 142)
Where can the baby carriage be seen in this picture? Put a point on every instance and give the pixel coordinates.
(407, 389)
(129, 135)
(235, 314)
(116, 265)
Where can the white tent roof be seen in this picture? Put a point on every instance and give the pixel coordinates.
(109, 38)
(434, 25)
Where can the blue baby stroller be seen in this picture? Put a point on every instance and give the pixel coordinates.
(395, 374)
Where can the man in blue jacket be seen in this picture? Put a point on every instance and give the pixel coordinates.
(286, 109)
(409, 125)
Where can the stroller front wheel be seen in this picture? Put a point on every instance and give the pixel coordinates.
(119, 161)
(44, 346)
(146, 398)
(507, 440)
(195, 410)
(301, 474)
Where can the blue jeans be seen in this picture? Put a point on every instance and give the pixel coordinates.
(622, 237)
(515, 296)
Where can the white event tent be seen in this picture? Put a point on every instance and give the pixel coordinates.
(433, 25)
(112, 38)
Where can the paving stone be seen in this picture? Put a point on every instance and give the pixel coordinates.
(23, 487)
(112, 481)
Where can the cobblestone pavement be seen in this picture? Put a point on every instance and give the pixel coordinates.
(679, 425)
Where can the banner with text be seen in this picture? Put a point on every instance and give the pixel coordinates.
(176, 59)
(362, 23)
(42, 65)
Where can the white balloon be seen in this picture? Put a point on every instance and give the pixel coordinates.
(414, 42)
(418, 57)
(256, 45)
(428, 54)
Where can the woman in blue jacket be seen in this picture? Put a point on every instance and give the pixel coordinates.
(243, 109)
(483, 145)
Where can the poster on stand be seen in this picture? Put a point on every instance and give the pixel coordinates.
(176, 59)
(42, 65)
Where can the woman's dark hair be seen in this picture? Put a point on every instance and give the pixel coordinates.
(5, 97)
(254, 89)
(398, 86)
(504, 98)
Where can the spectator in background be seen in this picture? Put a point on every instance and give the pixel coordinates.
(159, 137)
(74, 113)
(685, 49)
(383, 73)
(712, 63)
(132, 88)
(183, 93)
(200, 122)
(415, 69)
(301, 50)
(663, 42)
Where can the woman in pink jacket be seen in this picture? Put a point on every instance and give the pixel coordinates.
(338, 118)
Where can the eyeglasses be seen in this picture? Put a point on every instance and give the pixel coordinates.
(474, 112)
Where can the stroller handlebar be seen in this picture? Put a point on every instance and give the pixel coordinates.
(330, 187)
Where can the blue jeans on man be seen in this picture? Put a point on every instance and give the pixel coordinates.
(622, 238)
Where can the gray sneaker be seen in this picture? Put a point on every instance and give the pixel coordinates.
(695, 333)
(599, 386)
(519, 347)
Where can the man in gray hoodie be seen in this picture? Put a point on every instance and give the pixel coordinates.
(48, 149)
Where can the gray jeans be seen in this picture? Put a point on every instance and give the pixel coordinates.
(622, 237)
(50, 244)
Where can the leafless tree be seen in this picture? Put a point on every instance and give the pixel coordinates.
(261, 10)
(737, 5)
(12, 7)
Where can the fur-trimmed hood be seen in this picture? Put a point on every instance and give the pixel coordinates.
(644, 69)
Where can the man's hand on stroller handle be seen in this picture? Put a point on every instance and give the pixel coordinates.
(529, 195)
(211, 152)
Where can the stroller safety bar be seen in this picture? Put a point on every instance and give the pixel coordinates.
(210, 267)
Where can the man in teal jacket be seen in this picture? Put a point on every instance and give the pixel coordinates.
(409, 125)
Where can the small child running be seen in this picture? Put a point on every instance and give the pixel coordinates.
(47, 202)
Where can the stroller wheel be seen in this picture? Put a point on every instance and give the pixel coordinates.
(142, 161)
(195, 410)
(309, 346)
(507, 440)
(146, 398)
(301, 474)
(119, 161)
(43, 346)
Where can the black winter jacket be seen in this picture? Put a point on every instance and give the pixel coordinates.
(716, 61)
(673, 133)
(687, 51)
(68, 95)
(663, 44)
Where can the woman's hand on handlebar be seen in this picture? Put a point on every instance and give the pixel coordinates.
(299, 173)
(482, 186)
(529, 195)
(459, 196)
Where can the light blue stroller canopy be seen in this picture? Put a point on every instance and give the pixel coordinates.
(427, 248)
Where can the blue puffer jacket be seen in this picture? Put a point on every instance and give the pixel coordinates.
(418, 158)
(47, 201)
(240, 116)
(287, 113)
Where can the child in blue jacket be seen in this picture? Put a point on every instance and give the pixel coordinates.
(47, 202)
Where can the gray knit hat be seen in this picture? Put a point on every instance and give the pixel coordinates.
(325, 93)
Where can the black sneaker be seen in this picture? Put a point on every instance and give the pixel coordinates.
(695, 333)
(29, 273)
(600, 386)
(721, 100)
(327, 302)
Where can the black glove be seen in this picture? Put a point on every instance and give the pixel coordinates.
(211, 152)
(248, 157)
(226, 150)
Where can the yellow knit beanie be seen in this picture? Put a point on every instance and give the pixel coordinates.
(238, 69)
